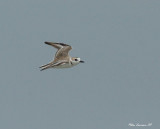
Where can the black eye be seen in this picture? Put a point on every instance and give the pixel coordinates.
(76, 60)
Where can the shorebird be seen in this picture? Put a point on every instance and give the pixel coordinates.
(62, 58)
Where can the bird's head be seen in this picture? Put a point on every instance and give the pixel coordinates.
(76, 60)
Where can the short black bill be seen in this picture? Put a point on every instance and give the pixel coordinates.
(81, 61)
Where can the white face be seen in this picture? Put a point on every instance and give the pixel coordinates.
(75, 61)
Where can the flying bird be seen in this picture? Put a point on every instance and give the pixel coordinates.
(62, 58)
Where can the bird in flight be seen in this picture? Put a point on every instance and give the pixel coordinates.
(62, 58)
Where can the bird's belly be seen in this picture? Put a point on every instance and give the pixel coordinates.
(66, 65)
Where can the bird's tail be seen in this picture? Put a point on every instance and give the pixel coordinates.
(46, 66)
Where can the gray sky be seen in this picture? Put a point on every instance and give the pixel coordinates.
(118, 84)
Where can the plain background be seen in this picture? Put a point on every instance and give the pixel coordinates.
(119, 40)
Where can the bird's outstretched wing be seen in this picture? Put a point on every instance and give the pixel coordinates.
(63, 49)
(53, 64)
